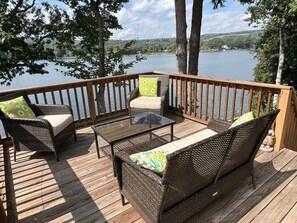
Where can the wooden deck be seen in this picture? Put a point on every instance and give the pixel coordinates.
(81, 187)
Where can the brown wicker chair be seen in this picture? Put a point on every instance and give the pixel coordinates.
(37, 134)
(163, 93)
(194, 176)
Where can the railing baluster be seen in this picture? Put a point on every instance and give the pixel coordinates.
(114, 96)
(250, 99)
(241, 101)
(206, 100)
(195, 98)
(233, 103)
(185, 96)
(180, 93)
(77, 104)
(226, 103)
(120, 94)
(212, 100)
(83, 100)
(91, 102)
(259, 103)
(201, 98)
(125, 93)
(61, 97)
(268, 101)
(36, 98)
(108, 95)
(171, 88)
(176, 93)
(130, 86)
(96, 98)
(69, 99)
(219, 103)
(191, 98)
(53, 97)
(44, 97)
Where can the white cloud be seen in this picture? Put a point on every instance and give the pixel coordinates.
(148, 19)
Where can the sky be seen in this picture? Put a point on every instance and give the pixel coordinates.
(149, 19)
(146, 19)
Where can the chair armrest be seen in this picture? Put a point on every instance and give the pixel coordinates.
(15, 125)
(121, 157)
(44, 109)
(218, 125)
(133, 94)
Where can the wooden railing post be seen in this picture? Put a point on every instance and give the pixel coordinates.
(282, 118)
(91, 102)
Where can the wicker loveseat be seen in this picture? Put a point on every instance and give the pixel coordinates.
(196, 174)
(45, 133)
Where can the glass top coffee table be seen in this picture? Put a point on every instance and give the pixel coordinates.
(125, 128)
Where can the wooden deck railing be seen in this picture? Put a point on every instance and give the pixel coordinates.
(194, 97)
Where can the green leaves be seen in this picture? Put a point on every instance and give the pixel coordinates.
(26, 31)
(271, 14)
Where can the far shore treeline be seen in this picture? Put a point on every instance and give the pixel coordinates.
(209, 42)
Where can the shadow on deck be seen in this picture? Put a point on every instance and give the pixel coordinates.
(81, 187)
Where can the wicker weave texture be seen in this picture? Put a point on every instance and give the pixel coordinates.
(36, 134)
(195, 175)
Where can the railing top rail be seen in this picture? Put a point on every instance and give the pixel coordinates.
(73, 83)
(208, 79)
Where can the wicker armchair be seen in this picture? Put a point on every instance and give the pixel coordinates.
(195, 175)
(42, 134)
(138, 104)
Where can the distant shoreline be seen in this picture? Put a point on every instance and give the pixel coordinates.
(163, 53)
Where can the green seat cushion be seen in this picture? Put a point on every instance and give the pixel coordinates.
(154, 160)
(16, 108)
(242, 119)
(148, 86)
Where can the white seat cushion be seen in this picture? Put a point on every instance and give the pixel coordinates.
(58, 122)
(146, 102)
(191, 139)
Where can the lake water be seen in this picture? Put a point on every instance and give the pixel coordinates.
(232, 65)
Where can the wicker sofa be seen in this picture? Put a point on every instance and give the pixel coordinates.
(195, 175)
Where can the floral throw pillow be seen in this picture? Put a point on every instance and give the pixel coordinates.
(242, 119)
(16, 108)
(148, 86)
(154, 160)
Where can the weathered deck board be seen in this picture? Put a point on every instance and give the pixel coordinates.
(81, 187)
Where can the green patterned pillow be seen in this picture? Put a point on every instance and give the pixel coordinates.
(16, 108)
(154, 160)
(242, 119)
(148, 86)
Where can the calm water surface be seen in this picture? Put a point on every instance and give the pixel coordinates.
(232, 65)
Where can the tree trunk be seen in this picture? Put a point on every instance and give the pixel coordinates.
(281, 58)
(181, 36)
(101, 53)
(195, 37)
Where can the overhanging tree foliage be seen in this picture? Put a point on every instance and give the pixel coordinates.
(276, 47)
(86, 32)
(25, 32)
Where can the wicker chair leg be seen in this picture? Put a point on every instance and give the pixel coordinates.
(57, 157)
(123, 200)
(14, 154)
(254, 181)
(75, 138)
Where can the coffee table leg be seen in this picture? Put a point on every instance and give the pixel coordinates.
(97, 145)
(171, 133)
(112, 159)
